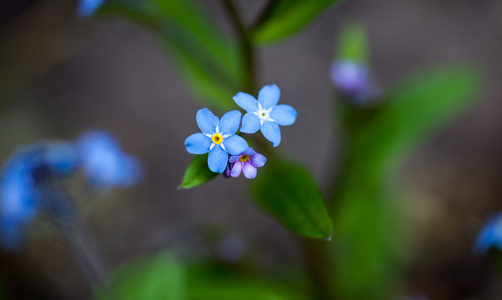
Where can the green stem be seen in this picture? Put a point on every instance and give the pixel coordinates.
(246, 47)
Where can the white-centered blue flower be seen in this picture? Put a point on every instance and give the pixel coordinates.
(217, 137)
(264, 114)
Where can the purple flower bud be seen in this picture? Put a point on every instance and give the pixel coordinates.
(353, 80)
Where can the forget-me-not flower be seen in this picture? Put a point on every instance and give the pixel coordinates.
(490, 235)
(87, 8)
(264, 114)
(104, 163)
(217, 137)
(246, 162)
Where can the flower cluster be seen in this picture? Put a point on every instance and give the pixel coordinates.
(29, 181)
(228, 151)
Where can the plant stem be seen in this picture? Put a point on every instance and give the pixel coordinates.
(246, 47)
(86, 253)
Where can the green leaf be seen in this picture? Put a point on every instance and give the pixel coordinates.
(289, 193)
(353, 44)
(286, 17)
(206, 282)
(158, 277)
(197, 173)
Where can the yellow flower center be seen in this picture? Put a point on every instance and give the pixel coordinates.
(244, 158)
(217, 138)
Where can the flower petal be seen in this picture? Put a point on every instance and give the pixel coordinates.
(217, 160)
(283, 114)
(206, 121)
(257, 160)
(249, 171)
(198, 143)
(234, 158)
(249, 151)
(271, 132)
(236, 169)
(235, 144)
(250, 123)
(230, 122)
(269, 96)
(246, 102)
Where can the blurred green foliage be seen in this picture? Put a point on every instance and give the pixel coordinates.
(163, 276)
(353, 44)
(158, 277)
(284, 18)
(369, 229)
(207, 58)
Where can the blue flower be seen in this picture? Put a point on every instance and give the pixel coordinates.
(490, 235)
(104, 163)
(23, 183)
(265, 114)
(87, 8)
(18, 203)
(217, 137)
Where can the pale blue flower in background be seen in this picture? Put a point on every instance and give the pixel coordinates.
(18, 203)
(87, 8)
(353, 80)
(264, 114)
(104, 163)
(348, 76)
(24, 183)
(490, 235)
(217, 137)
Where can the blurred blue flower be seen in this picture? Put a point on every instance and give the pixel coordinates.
(217, 137)
(87, 8)
(104, 163)
(246, 162)
(490, 235)
(18, 203)
(22, 185)
(353, 80)
(264, 114)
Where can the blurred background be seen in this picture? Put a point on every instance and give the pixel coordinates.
(60, 74)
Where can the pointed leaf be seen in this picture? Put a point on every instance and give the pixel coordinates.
(197, 173)
(290, 194)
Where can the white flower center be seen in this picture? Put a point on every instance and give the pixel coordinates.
(217, 138)
(263, 114)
